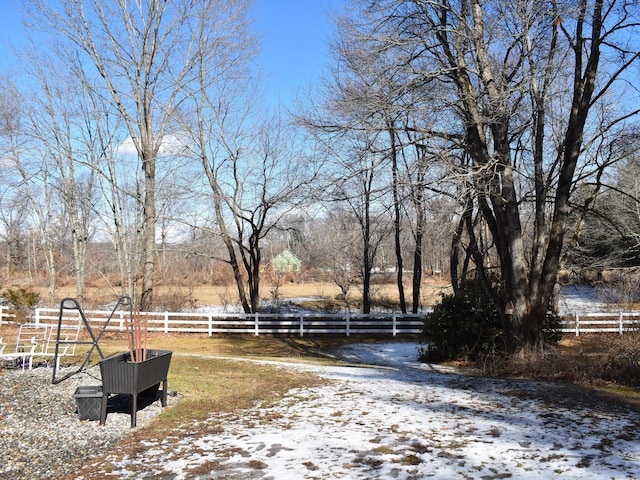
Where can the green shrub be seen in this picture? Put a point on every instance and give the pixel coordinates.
(23, 301)
(463, 326)
(552, 328)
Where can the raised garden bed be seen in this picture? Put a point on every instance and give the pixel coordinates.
(120, 375)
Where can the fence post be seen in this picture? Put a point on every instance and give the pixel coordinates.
(620, 324)
(393, 319)
(347, 326)
(210, 328)
(166, 322)
(257, 325)
(302, 325)
(577, 324)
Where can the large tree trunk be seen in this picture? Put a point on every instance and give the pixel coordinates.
(584, 81)
(252, 266)
(366, 275)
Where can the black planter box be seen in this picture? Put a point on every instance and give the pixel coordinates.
(121, 376)
(89, 402)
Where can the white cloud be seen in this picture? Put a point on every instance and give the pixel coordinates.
(172, 145)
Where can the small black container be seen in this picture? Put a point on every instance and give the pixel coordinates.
(88, 401)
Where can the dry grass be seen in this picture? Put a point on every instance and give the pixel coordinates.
(217, 385)
(310, 348)
(606, 363)
(317, 294)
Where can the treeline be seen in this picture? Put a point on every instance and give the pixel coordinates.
(494, 141)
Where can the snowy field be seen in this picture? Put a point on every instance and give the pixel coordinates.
(580, 299)
(403, 420)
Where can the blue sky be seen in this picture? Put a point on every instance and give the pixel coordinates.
(295, 34)
(295, 41)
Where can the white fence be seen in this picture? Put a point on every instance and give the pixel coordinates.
(602, 322)
(257, 324)
(305, 323)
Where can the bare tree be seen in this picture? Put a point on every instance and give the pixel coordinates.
(354, 180)
(370, 93)
(120, 192)
(253, 173)
(143, 54)
(45, 211)
(517, 83)
(361, 193)
(255, 180)
(25, 173)
(605, 221)
(13, 204)
(13, 218)
(362, 104)
(341, 251)
(61, 125)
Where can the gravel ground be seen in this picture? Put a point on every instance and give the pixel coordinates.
(41, 435)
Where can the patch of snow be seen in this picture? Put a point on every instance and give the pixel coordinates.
(579, 299)
(396, 418)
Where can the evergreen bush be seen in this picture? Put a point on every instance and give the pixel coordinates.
(22, 300)
(464, 325)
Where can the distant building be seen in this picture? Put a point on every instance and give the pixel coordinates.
(286, 262)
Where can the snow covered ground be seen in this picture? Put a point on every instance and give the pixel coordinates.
(572, 299)
(580, 299)
(404, 420)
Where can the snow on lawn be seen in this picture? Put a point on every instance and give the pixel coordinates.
(405, 420)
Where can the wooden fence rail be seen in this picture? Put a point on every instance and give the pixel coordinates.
(305, 323)
(601, 322)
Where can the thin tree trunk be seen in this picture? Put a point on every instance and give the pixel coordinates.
(148, 271)
(397, 217)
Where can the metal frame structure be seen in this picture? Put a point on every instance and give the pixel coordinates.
(72, 304)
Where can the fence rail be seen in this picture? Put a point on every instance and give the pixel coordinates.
(601, 322)
(304, 323)
(257, 324)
